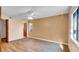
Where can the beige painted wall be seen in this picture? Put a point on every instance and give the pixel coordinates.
(71, 43)
(16, 29)
(53, 28)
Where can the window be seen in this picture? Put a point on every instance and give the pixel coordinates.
(76, 25)
(30, 27)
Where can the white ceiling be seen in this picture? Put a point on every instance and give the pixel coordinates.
(23, 12)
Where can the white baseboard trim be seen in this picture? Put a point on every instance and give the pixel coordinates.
(47, 40)
(16, 39)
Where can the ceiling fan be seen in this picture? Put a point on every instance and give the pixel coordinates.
(30, 14)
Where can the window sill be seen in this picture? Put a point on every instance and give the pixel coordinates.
(76, 43)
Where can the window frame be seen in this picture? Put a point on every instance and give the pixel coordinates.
(71, 27)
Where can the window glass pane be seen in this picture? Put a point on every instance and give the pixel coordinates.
(75, 25)
(78, 22)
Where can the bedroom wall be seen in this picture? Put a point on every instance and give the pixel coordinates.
(54, 28)
(16, 29)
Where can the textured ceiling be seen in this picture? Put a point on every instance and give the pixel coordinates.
(23, 12)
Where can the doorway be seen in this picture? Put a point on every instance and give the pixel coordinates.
(4, 32)
(25, 30)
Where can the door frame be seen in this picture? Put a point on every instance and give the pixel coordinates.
(7, 29)
(25, 30)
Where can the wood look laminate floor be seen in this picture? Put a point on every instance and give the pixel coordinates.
(30, 45)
